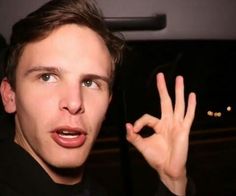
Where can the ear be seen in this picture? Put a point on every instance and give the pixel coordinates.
(8, 96)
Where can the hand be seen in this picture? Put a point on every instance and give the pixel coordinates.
(166, 150)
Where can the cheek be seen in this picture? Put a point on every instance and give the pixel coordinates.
(34, 106)
(96, 109)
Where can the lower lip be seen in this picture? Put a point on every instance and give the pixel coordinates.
(75, 142)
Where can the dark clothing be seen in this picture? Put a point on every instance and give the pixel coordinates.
(21, 175)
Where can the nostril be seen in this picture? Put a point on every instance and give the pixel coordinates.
(73, 107)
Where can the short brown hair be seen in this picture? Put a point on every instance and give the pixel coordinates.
(40, 23)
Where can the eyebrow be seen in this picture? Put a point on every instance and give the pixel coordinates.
(42, 68)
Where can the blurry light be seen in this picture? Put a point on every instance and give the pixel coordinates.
(210, 113)
(229, 108)
(217, 114)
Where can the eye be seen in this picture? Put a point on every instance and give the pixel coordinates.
(48, 77)
(90, 84)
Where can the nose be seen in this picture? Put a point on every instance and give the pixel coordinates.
(72, 101)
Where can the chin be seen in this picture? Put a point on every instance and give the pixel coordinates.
(67, 164)
(69, 158)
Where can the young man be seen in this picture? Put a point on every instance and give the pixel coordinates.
(59, 72)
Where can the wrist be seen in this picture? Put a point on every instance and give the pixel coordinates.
(176, 185)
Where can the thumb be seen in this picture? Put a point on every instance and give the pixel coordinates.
(132, 136)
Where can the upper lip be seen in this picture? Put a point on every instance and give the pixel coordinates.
(70, 129)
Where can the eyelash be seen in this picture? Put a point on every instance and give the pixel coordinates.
(85, 81)
(49, 75)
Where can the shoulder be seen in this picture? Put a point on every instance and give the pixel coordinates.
(6, 190)
(9, 170)
(21, 175)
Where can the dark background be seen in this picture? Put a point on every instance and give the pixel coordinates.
(208, 68)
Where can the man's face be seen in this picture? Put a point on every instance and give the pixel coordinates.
(61, 95)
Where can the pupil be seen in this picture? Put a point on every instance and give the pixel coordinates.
(88, 82)
(45, 77)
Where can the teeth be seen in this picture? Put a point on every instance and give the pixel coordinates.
(68, 134)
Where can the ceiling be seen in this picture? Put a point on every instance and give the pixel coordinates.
(184, 19)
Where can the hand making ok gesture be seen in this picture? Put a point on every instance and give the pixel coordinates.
(166, 150)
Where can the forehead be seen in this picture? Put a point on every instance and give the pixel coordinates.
(68, 44)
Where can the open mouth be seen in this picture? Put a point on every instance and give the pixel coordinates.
(69, 138)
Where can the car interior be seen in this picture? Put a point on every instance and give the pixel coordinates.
(195, 39)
